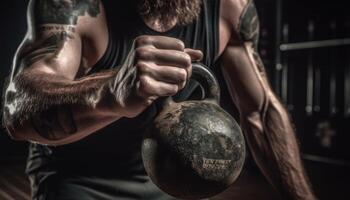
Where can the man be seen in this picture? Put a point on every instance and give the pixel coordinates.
(86, 80)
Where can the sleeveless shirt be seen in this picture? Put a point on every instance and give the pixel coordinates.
(115, 149)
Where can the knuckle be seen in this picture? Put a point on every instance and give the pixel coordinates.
(143, 40)
(142, 53)
(174, 89)
(187, 60)
(139, 52)
(142, 67)
(182, 75)
(144, 83)
(147, 102)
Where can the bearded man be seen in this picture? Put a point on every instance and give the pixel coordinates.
(86, 79)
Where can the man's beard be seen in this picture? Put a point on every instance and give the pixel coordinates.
(184, 11)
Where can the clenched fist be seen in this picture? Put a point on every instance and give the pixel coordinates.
(157, 66)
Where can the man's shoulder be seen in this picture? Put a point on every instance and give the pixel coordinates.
(66, 12)
(231, 10)
(77, 21)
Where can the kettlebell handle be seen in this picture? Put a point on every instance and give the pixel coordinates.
(207, 80)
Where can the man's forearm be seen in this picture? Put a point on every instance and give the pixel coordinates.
(56, 109)
(266, 124)
(275, 149)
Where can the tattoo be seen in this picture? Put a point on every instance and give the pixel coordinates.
(54, 21)
(50, 46)
(45, 100)
(58, 28)
(64, 11)
(55, 123)
(249, 31)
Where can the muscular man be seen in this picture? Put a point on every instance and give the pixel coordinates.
(86, 80)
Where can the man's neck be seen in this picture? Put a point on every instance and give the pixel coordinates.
(160, 26)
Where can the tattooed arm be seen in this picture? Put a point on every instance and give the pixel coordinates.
(44, 102)
(265, 121)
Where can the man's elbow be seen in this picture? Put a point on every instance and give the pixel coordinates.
(16, 131)
(14, 135)
(25, 132)
(17, 127)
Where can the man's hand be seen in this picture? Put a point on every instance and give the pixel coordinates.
(162, 66)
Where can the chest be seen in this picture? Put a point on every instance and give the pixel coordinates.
(124, 25)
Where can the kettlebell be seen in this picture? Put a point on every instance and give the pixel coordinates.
(194, 149)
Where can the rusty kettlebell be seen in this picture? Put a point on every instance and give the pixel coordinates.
(194, 149)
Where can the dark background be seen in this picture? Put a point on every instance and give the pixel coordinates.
(12, 31)
(313, 80)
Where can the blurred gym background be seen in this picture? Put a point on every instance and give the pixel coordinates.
(305, 46)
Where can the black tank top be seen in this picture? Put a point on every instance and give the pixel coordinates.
(117, 146)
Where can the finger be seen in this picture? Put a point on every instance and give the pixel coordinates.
(161, 42)
(172, 58)
(148, 87)
(167, 74)
(196, 55)
(149, 100)
(175, 59)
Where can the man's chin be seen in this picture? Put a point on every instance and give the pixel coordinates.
(185, 11)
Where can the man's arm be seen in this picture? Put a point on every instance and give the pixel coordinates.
(44, 102)
(265, 121)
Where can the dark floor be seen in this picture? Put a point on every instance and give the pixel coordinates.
(330, 182)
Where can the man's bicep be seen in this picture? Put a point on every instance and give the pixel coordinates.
(53, 39)
(52, 54)
(242, 67)
(50, 46)
(243, 78)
